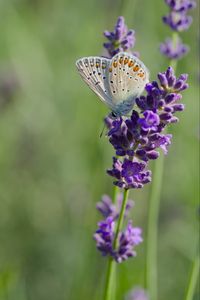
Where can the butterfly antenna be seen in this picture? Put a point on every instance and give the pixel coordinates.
(102, 131)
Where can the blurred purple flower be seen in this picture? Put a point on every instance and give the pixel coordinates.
(181, 5)
(128, 239)
(137, 294)
(178, 21)
(108, 209)
(104, 236)
(173, 51)
(121, 39)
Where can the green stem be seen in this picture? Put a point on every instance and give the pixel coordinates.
(193, 279)
(121, 218)
(110, 277)
(110, 280)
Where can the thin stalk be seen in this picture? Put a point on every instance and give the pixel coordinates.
(121, 218)
(193, 279)
(110, 280)
(110, 277)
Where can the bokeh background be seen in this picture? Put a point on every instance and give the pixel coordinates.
(52, 161)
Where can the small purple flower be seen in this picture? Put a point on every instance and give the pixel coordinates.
(121, 39)
(129, 174)
(104, 236)
(163, 97)
(137, 294)
(150, 121)
(181, 5)
(173, 51)
(108, 209)
(128, 239)
(178, 21)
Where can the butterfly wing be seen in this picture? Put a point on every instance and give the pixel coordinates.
(94, 71)
(127, 78)
(117, 81)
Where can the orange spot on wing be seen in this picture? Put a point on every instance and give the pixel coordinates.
(126, 61)
(121, 60)
(140, 75)
(131, 64)
(115, 64)
(136, 68)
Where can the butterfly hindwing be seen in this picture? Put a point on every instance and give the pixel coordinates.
(127, 77)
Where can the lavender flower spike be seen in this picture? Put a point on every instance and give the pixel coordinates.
(121, 39)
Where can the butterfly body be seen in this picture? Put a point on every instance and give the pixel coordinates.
(117, 81)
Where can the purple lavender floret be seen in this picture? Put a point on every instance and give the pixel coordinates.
(104, 236)
(108, 209)
(128, 239)
(177, 21)
(129, 174)
(137, 294)
(150, 121)
(181, 6)
(163, 97)
(173, 51)
(121, 39)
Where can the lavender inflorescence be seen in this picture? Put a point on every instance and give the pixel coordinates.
(105, 234)
(178, 21)
(121, 39)
(139, 137)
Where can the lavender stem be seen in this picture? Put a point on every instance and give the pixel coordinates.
(110, 278)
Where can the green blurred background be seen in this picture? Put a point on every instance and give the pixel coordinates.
(52, 161)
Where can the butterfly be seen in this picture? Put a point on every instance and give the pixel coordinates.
(117, 81)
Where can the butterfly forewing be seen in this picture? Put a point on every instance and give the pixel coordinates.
(127, 77)
(94, 71)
